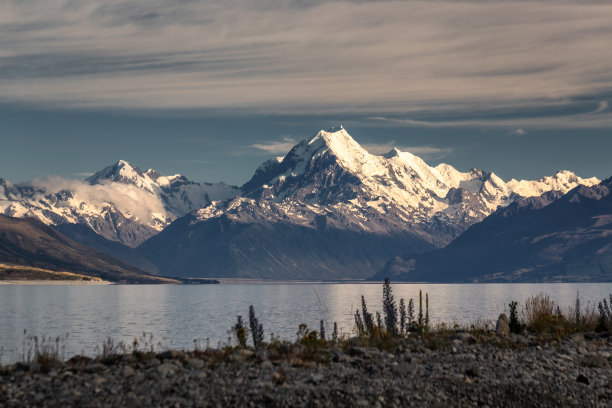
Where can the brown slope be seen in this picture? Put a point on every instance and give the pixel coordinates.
(29, 242)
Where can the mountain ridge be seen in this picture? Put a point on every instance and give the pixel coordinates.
(546, 238)
(326, 185)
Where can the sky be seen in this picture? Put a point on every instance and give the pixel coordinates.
(211, 89)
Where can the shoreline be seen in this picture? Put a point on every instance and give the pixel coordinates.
(463, 371)
(53, 282)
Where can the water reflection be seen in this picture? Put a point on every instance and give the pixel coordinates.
(178, 315)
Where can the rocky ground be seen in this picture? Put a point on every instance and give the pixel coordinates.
(459, 371)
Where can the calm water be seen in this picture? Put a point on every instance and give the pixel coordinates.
(178, 315)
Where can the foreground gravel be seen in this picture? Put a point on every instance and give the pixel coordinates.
(575, 372)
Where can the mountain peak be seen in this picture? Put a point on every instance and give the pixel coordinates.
(392, 153)
(121, 171)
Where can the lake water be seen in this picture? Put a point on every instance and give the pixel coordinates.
(177, 315)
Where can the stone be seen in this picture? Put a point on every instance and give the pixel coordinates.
(166, 369)
(464, 337)
(169, 355)
(128, 371)
(473, 371)
(577, 337)
(195, 363)
(502, 328)
(582, 379)
(595, 361)
(243, 354)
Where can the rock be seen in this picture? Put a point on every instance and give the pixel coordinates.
(473, 371)
(243, 354)
(356, 351)
(128, 371)
(167, 369)
(502, 328)
(195, 363)
(464, 337)
(595, 361)
(170, 355)
(262, 355)
(577, 337)
(315, 378)
(582, 379)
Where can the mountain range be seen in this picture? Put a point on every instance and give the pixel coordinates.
(553, 237)
(328, 209)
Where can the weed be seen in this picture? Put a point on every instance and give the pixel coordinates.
(389, 308)
(515, 325)
(240, 332)
(256, 328)
(322, 330)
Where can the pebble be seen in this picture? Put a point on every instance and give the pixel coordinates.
(478, 374)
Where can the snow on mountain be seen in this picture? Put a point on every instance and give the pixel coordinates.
(326, 188)
(398, 190)
(120, 202)
(331, 210)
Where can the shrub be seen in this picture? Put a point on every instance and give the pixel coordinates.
(322, 330)
(411, 322)
(368, 320)
(515, 325)
(240, 332)
(256, 328)
(389, 308)
(605, 315)
(402, 313)
(539, 313)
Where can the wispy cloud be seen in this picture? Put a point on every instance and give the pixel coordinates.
(426, 152)
(603, 105)
(518, 132)
(319, 56)
(276, 147)
(599, 118)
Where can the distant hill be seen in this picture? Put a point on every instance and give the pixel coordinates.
(538, 239)
(29, 242)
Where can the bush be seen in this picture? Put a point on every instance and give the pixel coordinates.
(240, 332)
(256, 328)
(515, 325)
(539, 313)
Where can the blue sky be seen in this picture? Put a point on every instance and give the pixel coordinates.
(212, 89)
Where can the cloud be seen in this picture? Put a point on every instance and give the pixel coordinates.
(130, 200)
(277, 147)
(299, 56)
(603, 105)
(426, 152)
(589, 120)
(518, 132)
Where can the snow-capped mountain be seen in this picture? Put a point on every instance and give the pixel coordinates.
(331, 172)
(121, 202)
(329, 199)
(547, 238)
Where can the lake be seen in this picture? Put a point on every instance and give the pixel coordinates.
(175, 316)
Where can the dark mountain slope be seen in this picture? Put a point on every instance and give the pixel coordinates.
(536, 239)
(88, 237)
(29, 242)
(226, 247)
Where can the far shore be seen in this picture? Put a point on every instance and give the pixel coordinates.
(53, 282)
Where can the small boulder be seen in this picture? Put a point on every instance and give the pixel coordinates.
(583, 379)
(595, 361)
(502, 329)
(464, 337)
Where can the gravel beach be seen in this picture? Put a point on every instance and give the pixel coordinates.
(574, 372)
